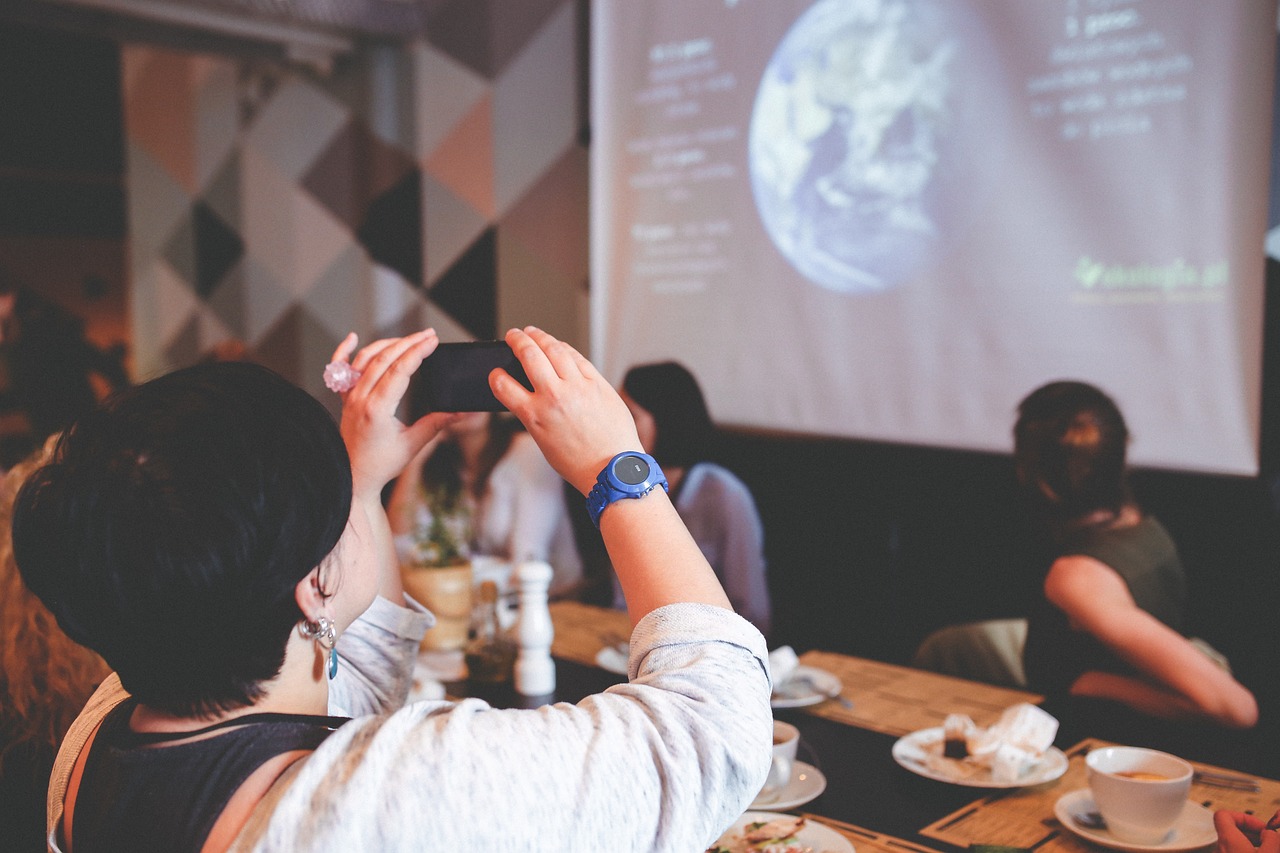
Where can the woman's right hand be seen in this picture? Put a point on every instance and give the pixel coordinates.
(1237, 832)
(575, 416)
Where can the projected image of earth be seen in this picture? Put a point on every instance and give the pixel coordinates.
(844, 140)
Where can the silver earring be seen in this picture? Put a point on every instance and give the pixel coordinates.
(325, 633)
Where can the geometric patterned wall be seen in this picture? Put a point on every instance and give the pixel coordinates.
(440, 182)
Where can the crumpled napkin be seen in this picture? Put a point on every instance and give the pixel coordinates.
(1010, 747)
(782, 665)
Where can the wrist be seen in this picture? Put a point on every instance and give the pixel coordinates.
(630, 474)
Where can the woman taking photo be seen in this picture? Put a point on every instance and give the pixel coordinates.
(222, 545)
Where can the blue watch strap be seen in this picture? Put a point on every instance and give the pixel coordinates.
(628, 475)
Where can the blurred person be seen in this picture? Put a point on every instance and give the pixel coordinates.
(486, 468)
(45, 679)
(223, 544)
(675, 426)
(1110, 623)
(49, 371)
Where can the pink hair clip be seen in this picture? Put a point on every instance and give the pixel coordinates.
(340, 377)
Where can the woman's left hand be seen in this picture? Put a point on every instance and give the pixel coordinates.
(381, 445)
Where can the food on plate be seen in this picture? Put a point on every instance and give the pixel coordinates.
(955, 735)
(1007, 750)
(779, 835)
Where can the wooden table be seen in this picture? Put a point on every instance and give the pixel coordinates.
(869, 798)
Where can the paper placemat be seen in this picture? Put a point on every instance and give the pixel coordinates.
(582, 630)
(898, 700)
(1023, 817)
(865, 840)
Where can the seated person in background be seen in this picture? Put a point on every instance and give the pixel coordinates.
(488, 474)
(1109, 625)
(223, 545)
(45, 679)
(675, 428)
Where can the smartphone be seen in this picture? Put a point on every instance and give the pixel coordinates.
(455, 378)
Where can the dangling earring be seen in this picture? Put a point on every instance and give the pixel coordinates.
(325, 633)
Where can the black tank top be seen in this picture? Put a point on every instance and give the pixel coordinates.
(139, 797)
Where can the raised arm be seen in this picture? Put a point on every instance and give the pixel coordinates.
(1178, 680)
(580, 422)
(379, 444)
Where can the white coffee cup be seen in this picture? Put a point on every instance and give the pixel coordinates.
(1140, 792)
(786, 738)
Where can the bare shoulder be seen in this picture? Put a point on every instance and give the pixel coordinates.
(1077, 582)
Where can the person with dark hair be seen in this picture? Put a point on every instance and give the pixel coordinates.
(222, 544)
(1109, 625)
(675, 426)
(488, 471)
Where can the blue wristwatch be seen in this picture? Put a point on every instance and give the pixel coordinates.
(628, 475)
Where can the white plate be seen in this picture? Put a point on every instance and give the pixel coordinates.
(822, 839)
(807, 782)
(821, 686)
(1193, 830)
(921, 753)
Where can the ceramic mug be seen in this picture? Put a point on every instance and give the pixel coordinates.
(1140, 792)
(786, 738)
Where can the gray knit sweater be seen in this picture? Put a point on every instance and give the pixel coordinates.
(662, 763)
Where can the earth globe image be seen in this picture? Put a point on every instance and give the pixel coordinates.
(844, 143)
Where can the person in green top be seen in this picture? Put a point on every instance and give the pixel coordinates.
(1109, 626)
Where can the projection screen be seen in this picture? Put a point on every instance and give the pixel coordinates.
(892, 219)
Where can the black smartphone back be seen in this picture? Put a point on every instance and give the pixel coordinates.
(455, 378)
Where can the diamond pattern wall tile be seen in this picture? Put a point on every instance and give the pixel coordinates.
(160, 113)
(533, 292)
(552, 216)
(298, 346)
(294, 126)
(222, 191)
(218, 248)
(217, 117)
(466, 290)
(337, 300)
(463, 161)
(353, 170)
(184, 346)
(535, 115)
(174, 300)
(156, 205)
(445, 91)
(230, 303)
(180, 251)
(392, 228)
(266, 300)
(449, 226)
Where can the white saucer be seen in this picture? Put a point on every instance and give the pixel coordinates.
(921, 753)
(825, 685)
(1193, 831)
(807, 782)
(814, 835)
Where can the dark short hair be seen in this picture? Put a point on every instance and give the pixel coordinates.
(668, 391)
(173, 523)
(1069, 449)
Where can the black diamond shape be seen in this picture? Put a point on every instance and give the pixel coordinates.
(218, 248)
(392, 228)
(468, 289)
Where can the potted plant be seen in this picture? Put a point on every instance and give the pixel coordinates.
(438, 570)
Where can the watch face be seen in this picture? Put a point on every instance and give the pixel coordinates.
(631, 470)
